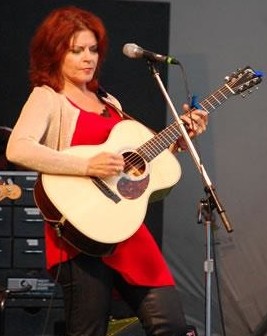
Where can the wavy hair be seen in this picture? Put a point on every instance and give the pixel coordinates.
(51, 41)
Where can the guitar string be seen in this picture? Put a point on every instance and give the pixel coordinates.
(151, 146)
(155, 147)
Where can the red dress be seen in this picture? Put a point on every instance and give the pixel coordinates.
(138, 259)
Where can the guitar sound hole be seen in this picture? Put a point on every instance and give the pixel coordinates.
(135, 181)
(135, 166)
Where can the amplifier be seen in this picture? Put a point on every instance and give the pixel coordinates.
(29, 283)
(5, 221)
(29, 253)
(5, 253)
(33, 287)
(28, 222)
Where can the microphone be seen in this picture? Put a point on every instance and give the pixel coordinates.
(132, 50)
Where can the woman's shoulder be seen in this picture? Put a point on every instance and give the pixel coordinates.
(51, 97)
(49, 103)
(44, 90)
(43, 94)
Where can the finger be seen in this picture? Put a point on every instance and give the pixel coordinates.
(196, 120)
(190, 121)
(113, 161)
(186, 108)
(203, 115)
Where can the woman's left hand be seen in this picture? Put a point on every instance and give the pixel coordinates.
(195, 121)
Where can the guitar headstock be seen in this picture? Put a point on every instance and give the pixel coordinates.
(243, 80)
(11, 191)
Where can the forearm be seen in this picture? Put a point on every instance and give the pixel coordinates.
(36, 157)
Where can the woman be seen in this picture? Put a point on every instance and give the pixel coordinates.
(67, 107)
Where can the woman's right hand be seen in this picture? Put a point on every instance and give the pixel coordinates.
(105, 164)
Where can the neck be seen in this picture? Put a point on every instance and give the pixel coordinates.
(82, 97)
(72, 88)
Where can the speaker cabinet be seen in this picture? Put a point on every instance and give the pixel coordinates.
(33, 318)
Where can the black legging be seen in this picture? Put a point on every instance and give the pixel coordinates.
(87, 288)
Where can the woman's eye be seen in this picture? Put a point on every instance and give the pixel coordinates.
(77, 50)
(94, 49)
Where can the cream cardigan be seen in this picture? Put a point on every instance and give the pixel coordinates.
(45, 127)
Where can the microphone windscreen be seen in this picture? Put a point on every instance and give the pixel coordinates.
(132, 50)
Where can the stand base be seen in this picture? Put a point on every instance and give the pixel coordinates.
(131, 326)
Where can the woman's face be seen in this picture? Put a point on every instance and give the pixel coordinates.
(80, 62)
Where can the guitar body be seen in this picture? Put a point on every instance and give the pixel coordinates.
(110, 210)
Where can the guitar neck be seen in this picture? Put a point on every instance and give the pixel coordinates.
(216, 99)
(169, 135)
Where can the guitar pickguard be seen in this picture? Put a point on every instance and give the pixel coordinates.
(131, 189)
(135, 179)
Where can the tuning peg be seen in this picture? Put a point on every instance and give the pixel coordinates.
(10, 181)
(259, 74)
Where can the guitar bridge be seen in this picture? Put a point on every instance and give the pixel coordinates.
(102, 186)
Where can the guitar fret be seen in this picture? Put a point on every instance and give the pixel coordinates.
(154, 148)
(174, 133)
(146, 155)
(164, 137)
(214, 102)
(217, 100)
(224, 96)
(204, 108)
(210, 104)
(148, 150)
(230, 89)
(160, 142)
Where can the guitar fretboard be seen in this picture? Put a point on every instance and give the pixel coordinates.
(169, 135)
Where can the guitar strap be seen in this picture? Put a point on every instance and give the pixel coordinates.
(104, 97)
(173, 148)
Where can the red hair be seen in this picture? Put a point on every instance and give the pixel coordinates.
(51, 43)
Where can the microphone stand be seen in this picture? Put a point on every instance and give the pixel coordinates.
(207, 206)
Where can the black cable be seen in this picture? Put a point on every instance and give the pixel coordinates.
(51, 301)
(186, 85)
(193, 104)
